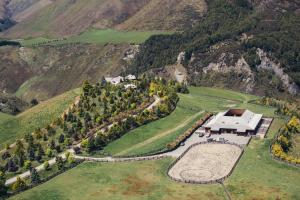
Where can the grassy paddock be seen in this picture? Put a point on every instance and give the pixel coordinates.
(199, 99)
(257, 175)
(97, 36)
(124, 146)
(12, 127)
(134, 181)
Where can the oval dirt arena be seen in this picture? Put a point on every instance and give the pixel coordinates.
(206, 162)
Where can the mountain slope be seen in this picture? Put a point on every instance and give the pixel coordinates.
(166, 15)
(253, 47)
(23, 11)
(2, 9)
(68, 17)
(44, 72)
(17, 6)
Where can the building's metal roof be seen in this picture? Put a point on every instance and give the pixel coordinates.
(247, 121)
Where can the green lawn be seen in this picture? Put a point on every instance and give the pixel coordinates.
(153, 129)
(257, 175)
(146, 139)
(99, 36)
(114, 181)
(5, 117)
(12, 127)
(295, 150)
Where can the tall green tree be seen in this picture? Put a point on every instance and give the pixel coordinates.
(34, 176)
(19, 152)
(3, 187)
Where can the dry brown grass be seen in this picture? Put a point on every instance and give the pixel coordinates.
(166, 15)
(32, 10)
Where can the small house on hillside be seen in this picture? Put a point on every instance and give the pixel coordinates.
(128, 86)
(235, 121)
(115, 81)
(130, 77)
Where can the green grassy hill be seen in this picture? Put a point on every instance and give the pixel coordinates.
(12, 127)
(153, 137)
(95, 36)
(257, 174)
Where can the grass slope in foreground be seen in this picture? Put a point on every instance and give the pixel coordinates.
(114, 181)
(12, 127)
(257, 176)
(98, 36)
(154, 136)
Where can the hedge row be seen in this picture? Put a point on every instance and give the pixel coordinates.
(188, 133)
(30, 186)
(282, 142)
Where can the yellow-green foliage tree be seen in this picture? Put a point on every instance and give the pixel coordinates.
(283, 142)
(19, 184)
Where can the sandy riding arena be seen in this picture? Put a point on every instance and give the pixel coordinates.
(206, 162)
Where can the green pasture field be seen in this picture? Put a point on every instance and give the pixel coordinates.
(97, 36)
(12, 127)
(115, 181)
(257, 175)
(190, 107)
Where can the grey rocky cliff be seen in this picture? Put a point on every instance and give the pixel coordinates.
(241, 66)
(267, 63)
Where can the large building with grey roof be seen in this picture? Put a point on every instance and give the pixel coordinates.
(236, 121)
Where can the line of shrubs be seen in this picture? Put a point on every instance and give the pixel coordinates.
(181, 138)
(21, 185)
(9, 43)
(282, 144)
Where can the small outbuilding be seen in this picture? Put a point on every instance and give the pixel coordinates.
(235, 121)
(132, 86)
(130, 77)
(115, 81)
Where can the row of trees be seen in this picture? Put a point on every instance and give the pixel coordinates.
(225, 22)
(283, 143)
(35, 178)
(99, 106)
(181, 138)
(282, 107)
(165, 90)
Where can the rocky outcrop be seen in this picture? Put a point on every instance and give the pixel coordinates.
(131, 52)
(180, 57)
(267, 63)
(241, 66)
